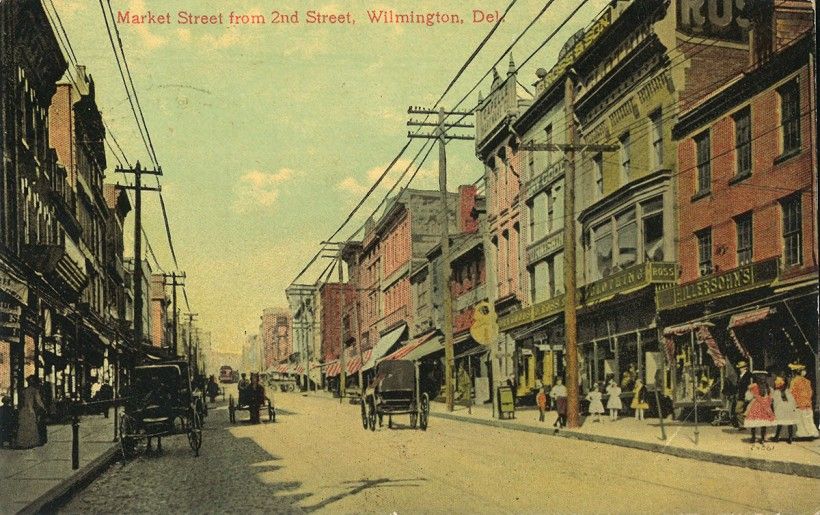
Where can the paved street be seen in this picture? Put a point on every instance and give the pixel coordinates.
(317, 457)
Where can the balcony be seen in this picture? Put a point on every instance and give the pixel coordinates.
(63, 262)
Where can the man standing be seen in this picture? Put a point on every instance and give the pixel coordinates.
(243, 390)
(559, 396)
(744, 379)
(105, 394)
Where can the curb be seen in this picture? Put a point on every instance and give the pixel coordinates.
(780, 467)
(58, 495)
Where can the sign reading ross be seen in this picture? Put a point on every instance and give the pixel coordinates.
(714, 19)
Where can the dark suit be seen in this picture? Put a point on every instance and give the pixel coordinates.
(743, 383)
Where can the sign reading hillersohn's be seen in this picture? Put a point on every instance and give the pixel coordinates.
(733, 281)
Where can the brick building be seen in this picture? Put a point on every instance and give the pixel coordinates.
(276, 333)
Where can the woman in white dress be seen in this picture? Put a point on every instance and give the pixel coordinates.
(785, 410)
(596, 407)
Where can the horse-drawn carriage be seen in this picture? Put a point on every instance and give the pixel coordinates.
(395, 390)
(245, 402)
(160, 402)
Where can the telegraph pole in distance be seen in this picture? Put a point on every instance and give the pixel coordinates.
(441, 135)
(138, 189)
(191, 318)
(571, 293)
(174, 276)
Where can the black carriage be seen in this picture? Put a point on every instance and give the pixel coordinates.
(244, 404)
(395, 390)
(160, 402)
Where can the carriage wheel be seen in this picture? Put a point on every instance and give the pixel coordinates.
(364, 413)
(413, 419)
(127, 440)
(195, 432)
(271, 412)
(371, 416)
(231, 410)
(424, 412)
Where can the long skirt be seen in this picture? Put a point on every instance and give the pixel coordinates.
(28, 432)
(805, 424)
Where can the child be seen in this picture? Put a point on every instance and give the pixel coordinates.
(596, 407)
(639, 403)
(759, 412)
(541, 400)
(613, 404)
(785, 409)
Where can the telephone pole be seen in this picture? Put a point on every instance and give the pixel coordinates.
(174, 276)
(571, 294)
(138, 189)
(190, 353)
(441, 135)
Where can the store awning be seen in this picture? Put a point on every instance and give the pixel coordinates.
(384, 345)
(679, 330)
(404, 351)
(355, 364)
(333, 369)
(750, 317)
(702, 335)
(432, 345)
(475, 351)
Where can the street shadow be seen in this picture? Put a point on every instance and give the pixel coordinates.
(355, 487)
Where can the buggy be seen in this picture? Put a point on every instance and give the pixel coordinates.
(395, 390)
(160, 402)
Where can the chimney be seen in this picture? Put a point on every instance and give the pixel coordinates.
(761, 35)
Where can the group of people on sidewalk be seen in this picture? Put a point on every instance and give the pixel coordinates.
(24, 428)
(784, 403)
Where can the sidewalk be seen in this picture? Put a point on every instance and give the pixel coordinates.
(31, 479)
(722, 444)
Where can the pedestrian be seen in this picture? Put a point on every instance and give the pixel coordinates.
(105, 394)
(242, 386)
(744, 380)
(785, 410)
(802, 392)
(256, 397)
(212, 389)
(8, 421)
(613, 404)
(596, 407)
(541, 400)
(558, 393)
(759, 413)
(33, 408)
(639, 403)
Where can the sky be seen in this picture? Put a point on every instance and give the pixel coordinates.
(268, 135)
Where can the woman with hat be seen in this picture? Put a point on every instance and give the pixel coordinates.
(802, 392)
(28, 432)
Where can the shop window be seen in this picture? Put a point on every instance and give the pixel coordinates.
(603, 249)
(626, 158)
(652, 219)
(656, 122)
(743, 227)
(792, 231)
(627, 227)
(704, 238)
(704, 163)
(790, 116)
(743, 142)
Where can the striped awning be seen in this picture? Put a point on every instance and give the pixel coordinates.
(749, 317)
(402, 352)
(333, 369)
(355, 363)
(282, 368)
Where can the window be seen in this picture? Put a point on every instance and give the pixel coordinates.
(652, 220)
(743, 226)
(550, 211)
(792, 231)
(598, 169)
(704, 163)
(627, 227)
(531, 219)
(790, 116)
(551, 275)
(626, 161)
(656, 122)
(743, 142)
(531, 161)
(533, 289)
(603, 249)
(705, 251)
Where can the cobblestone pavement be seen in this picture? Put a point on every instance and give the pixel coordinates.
(317, 457)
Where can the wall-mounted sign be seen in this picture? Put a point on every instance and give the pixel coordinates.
(714, 19)
(547, 246)
(630, 278)
(733, 281)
